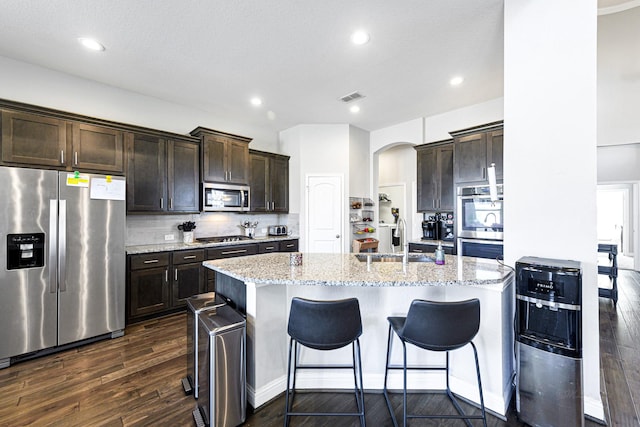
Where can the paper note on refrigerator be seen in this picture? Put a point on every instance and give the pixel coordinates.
(77, 180)
(108, 188)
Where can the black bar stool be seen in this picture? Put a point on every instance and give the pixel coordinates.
(435, 326)
(324, 325)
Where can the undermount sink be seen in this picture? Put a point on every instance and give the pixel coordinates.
(393, 258)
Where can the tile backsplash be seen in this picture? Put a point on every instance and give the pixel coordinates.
(152, 229)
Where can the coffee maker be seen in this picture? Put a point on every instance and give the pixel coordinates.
(438, 226)
(432, 228)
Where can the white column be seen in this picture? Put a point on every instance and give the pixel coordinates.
(550, 148)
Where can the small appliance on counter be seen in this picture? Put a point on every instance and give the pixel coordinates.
(278, 230)
(438, 227)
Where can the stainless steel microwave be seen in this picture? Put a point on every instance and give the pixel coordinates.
(478, 216)
(225, 197)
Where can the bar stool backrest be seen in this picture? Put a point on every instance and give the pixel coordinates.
(325, 325)
(441, 326)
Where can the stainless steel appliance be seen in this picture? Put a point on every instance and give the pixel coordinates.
(222, 398)
(225, 197)
(195, 305)
(278, 230)
(480, 248)
(478, 216)
(549, 342)
(62, 278)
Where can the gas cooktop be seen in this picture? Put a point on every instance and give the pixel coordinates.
(222, 239)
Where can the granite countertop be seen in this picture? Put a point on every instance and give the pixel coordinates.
(347, 270)
(179, 246)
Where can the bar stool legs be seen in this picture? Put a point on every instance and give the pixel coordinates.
(324, 325)
(423, 327)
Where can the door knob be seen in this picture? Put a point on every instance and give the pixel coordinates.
(337, 236)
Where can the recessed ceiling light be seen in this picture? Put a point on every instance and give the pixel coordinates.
(255, 101)
(360, 37)
(91, 44)
(354, 109)
(456, 81)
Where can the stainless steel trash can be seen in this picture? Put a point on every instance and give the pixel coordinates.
(196, 305)
(222, 397)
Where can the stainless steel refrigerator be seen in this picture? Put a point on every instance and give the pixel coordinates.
(62, 255)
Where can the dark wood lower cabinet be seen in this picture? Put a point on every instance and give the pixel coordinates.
(159, 283)
(148, 290)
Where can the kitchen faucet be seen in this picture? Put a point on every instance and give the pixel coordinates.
(403, 238)
(487, 217)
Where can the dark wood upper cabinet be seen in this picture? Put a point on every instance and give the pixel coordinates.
(97, 148)
(184, 176)
(475, 150)
(435, 177)
(162, 174)
(225, 157)
(269, 182)
(48, 138)
(34, 139)
(146, 173)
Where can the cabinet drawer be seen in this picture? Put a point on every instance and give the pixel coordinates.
(186, 257)
(156, 259)
(267, 247)
(232, 251)
(289, 246)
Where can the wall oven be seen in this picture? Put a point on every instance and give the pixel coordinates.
(478, 216)
(224, 197)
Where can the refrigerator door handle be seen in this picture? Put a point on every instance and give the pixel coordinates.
(62, 259)
(53, 238)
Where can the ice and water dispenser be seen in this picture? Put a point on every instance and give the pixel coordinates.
(549, 342)
(25, 250)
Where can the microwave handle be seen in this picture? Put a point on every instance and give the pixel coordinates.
(242, 199)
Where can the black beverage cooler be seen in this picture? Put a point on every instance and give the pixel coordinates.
(549, 389)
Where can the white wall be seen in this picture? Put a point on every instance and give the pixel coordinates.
(437, 128)
(618, 77)
(550, 149)
(619, 163)
(316, 149)
(359, 164)
(30, 84)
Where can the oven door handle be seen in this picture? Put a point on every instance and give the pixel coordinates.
(485, 242)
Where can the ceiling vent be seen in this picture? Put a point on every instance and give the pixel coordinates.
(353, 96)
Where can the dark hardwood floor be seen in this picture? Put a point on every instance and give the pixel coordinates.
(135, 380)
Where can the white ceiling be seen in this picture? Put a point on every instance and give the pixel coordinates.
(214, 55)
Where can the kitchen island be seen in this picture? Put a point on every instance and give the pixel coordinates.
(263, 286)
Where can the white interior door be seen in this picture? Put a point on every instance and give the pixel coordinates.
(325, 213)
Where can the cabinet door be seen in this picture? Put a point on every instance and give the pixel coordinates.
(279, 184)
(148, 291)
(495, 149)
(33, 140)
(146, 174)
(259, 177)
(471, 158)
(447, 189)
(214, 159)
(188, 280)
(183, 159)
(427, 175)
(237, 162)
(97, 148)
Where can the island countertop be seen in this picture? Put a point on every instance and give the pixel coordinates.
(346, 270)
